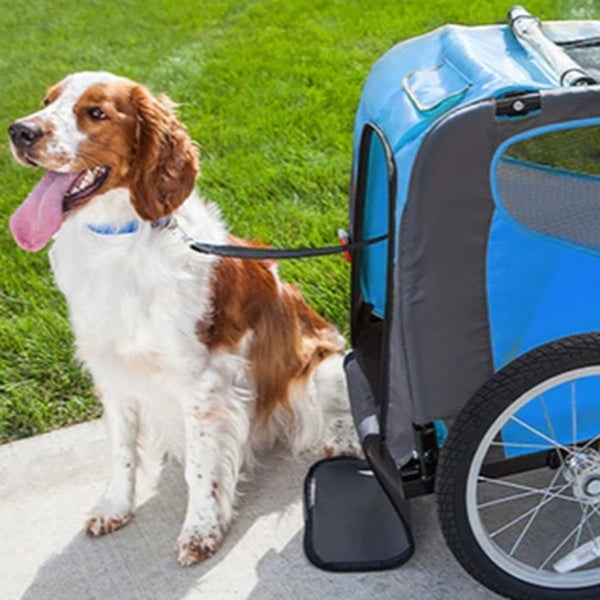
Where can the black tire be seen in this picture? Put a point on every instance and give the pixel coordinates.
(458, 452)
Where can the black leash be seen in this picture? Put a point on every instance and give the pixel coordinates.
(279, 253)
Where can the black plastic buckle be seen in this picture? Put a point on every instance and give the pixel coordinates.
(516, 106)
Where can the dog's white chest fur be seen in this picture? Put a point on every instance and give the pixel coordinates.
(127, 290)
(134, 301)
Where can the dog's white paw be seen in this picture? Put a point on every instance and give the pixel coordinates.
(352, 449)
(198, 542)
(107, 517)
(341, 440)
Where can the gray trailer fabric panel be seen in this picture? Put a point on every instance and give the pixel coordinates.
(442, 265)
(399, 413)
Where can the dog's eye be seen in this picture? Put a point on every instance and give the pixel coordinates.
(96, 113)
(46, 101)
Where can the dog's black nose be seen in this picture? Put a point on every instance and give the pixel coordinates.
(24, 135)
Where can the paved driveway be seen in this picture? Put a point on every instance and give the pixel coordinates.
(47, 483)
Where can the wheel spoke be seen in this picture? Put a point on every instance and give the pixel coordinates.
(551, 428)
(582, 505)
(535, 431)
(566, 539)
(522, 445)
(587, 522)
(547, 419)
(590, 442)
(533, 515)
(542, 503)
(518, 497)
(584, 512)
(526, 488)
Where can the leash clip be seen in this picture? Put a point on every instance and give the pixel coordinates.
(344, 238)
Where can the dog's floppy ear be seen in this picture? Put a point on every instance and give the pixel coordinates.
(165, 162)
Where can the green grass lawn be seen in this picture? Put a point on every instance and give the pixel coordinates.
(267, 87)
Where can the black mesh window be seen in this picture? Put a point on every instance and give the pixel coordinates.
(551, 184)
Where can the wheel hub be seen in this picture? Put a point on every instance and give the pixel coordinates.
(583, 470)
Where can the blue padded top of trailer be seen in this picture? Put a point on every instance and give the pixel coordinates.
(414, 85)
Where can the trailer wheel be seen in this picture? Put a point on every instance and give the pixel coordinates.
(518, 480)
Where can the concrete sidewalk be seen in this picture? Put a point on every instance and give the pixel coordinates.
(47, 483)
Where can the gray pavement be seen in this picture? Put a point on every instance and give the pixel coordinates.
(48, 482)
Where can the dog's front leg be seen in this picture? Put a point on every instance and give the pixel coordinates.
(216, 434)
(115, 507)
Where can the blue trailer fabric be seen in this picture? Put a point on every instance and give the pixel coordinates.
(414, 85)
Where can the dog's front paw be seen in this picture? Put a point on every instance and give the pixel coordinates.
(351, 449)
(341, 440)
(106, 518)
(198, 543)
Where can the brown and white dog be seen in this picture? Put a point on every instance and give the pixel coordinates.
(210, 358)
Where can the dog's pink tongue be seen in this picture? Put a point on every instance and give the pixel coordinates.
(41, 214)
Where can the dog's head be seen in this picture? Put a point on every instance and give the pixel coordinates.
(95, 133)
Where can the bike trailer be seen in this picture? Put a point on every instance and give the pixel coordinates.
(477, 150)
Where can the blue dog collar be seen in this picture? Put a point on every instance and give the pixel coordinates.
(108, 229)
(130, 227)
